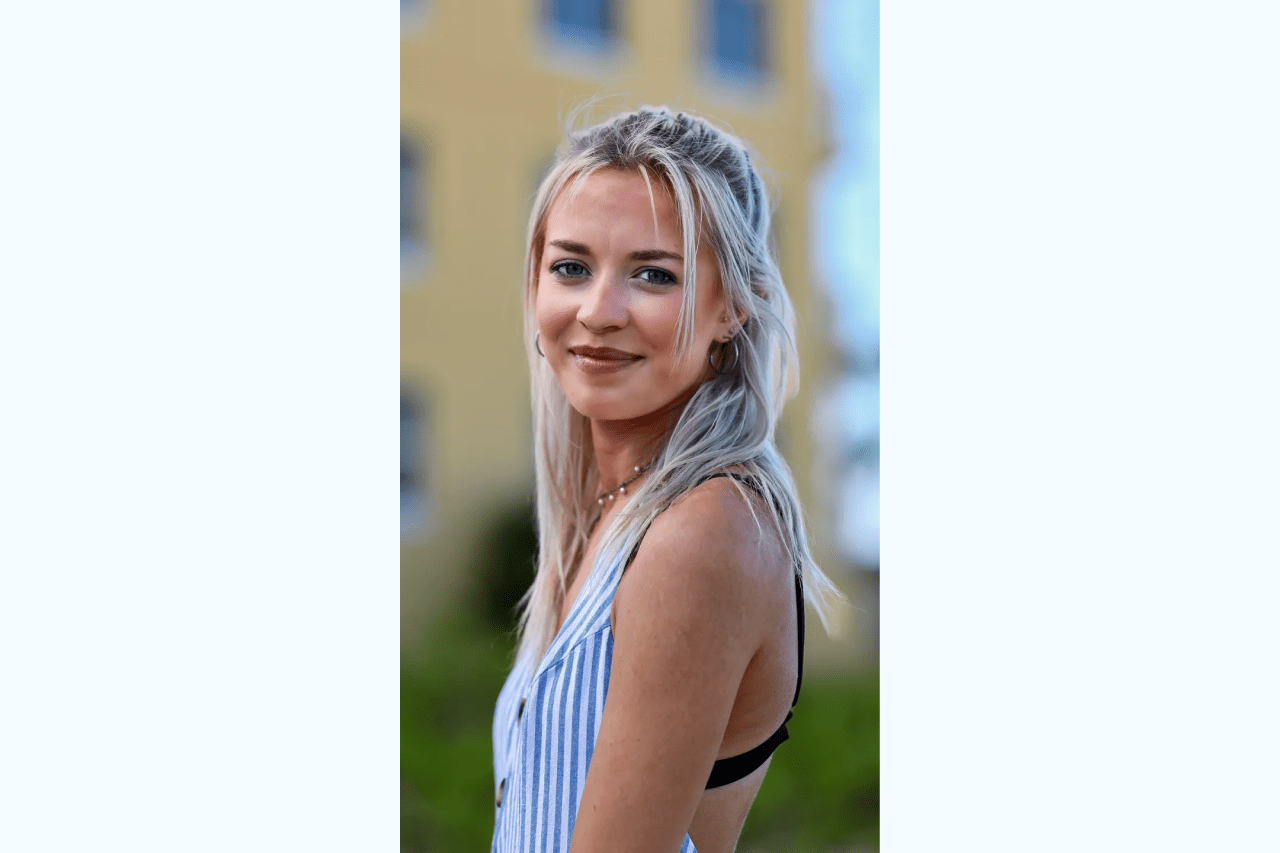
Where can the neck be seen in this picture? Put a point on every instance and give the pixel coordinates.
(620, 451)
(622, 446)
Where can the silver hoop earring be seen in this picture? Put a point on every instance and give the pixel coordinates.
(737, 356)
(538, 345)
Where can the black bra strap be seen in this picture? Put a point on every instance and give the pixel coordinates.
(799, 639)
(737, 767)
(726, 770)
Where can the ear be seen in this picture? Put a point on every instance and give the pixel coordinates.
(729, 328)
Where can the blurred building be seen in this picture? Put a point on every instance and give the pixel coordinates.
(484, 87)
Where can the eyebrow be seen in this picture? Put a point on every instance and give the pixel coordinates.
(638, 255)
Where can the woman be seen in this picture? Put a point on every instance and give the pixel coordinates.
(661, 641)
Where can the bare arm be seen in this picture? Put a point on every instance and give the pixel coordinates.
(689, 615)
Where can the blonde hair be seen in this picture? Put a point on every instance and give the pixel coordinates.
(730, 421)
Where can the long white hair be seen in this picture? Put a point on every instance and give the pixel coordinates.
(730, 421)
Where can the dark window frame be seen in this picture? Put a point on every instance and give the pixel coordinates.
(414, 197)
(415, 431)
(753, 68)
(583, 34)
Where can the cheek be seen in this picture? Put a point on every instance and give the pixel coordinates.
(658, 321)
(551, 313)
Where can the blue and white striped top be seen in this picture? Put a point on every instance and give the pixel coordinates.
(546, 723)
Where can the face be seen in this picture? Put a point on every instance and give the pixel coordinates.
(608, 298)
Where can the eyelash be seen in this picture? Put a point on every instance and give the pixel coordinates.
(670, 279)
(559, 269)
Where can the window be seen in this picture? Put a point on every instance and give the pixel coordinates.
(589, 23)
(412, 14)
(737, 43)
(412, 213)
(414, 504)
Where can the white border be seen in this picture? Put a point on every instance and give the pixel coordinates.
(1079, 421)
(199, 582)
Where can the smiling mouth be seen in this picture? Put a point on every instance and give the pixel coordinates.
(600, 360)
(603, 354)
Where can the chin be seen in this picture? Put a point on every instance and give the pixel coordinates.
(604, 405)
(624, 402)
(601, 410)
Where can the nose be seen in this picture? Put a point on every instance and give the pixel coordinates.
(604, 305)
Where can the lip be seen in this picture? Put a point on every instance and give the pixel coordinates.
(603, 353)
(597, 360)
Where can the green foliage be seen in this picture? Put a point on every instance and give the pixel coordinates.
(822, 791)
(446, 754)
(504, 566)
(447, 697)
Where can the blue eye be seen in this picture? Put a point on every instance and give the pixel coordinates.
(569, 269)
(654, 275)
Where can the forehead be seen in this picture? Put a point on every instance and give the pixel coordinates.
(621, 204)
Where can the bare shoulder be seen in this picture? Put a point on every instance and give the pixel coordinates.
(716, 547)
(722, 520)
(689, 615)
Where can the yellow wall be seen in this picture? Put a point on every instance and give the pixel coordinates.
(482, 92)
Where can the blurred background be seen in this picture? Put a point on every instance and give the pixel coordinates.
(484, 86)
